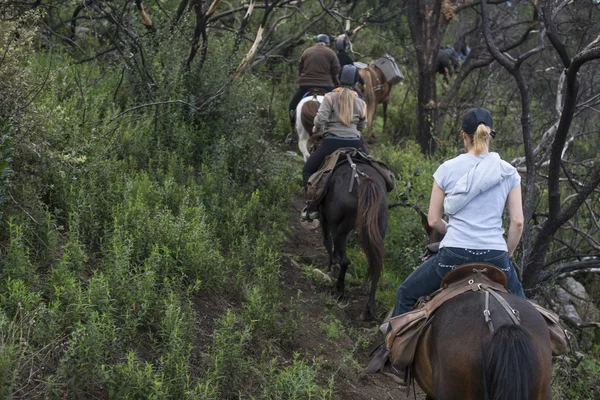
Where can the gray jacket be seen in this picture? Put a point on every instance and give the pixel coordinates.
(328, 117)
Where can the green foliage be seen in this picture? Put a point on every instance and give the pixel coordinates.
(134, 379)
(580, 382)
(294, 382)
(333, 329)
(228, 367)
(18, 263)
(5, 160)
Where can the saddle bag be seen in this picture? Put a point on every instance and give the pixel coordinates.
(390, 69)
(559, 338)
(404, 336)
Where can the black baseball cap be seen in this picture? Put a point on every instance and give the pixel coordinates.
(475, 116)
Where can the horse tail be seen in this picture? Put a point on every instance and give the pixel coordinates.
(508, 370)
(371, 203)
(309, 110)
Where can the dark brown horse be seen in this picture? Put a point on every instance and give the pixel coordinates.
(376, 91)
(458, 357)
(364, 208)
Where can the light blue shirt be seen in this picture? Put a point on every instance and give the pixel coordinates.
(476, 218)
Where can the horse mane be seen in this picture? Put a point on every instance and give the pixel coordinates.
(309, 110)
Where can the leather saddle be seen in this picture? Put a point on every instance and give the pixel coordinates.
(406, 329)
(319, 181)
(465, 270)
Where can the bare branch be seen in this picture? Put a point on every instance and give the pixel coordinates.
(250, 53)
(570, 269)
(121, 114)
(578, 325)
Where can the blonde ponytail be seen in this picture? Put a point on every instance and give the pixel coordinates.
(481, 140)
(346, 106)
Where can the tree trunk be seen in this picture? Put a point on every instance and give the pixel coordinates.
(428, 20)
(427, 109)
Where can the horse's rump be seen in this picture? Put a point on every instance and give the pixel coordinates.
(457, 355)
(309, 111)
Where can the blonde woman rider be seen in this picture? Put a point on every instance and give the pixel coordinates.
(341, 117)
(472, 189)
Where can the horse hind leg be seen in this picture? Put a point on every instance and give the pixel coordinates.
(385, 107)
(339, 245)
(327, 242)
(302, 140)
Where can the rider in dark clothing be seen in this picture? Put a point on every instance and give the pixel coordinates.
(319, 68)
(345, 59)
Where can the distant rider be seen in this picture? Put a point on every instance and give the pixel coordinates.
(319, 68)
(345, 59)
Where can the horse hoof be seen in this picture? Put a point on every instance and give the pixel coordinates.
(366, 316)
(341, 304)
(334, 270)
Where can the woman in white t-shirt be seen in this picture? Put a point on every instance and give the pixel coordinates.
(473, 190)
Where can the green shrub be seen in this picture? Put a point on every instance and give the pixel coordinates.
(134, 380)
(18, 264)
(228, 368)
(294, 382)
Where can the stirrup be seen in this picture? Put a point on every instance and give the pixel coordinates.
(378, 362)
(306, 215)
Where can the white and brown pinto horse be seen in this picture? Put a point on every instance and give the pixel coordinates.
(305, 116)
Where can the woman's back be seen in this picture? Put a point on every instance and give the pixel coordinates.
(328, 117)
(478, 225)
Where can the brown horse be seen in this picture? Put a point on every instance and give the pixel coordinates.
(458, 357)
(376, 90)
(363, 208)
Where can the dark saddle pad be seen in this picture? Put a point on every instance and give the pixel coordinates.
(315, 92)
(491, 271)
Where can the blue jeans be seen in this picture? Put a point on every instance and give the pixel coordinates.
(427, 277)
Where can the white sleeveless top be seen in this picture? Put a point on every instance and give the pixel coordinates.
(477, 225)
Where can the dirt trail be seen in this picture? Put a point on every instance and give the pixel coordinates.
(341, 354)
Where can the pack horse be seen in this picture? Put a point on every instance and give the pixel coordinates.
(379, 76)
